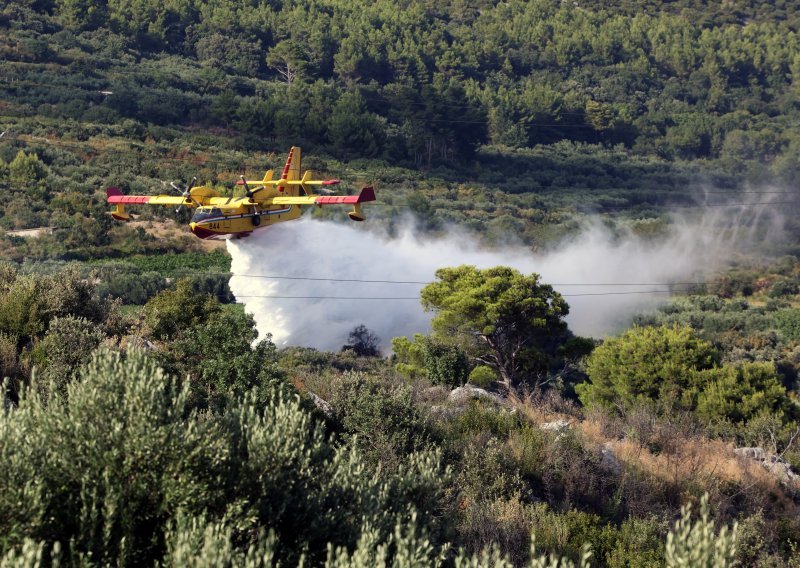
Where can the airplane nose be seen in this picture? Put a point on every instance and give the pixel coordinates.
(200, 231)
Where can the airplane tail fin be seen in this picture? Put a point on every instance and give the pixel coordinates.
(367, 194)
(295, 157)
(291, 171)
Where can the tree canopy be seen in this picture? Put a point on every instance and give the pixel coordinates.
(503, 319)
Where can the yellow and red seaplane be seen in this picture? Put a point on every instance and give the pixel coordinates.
(265, 202)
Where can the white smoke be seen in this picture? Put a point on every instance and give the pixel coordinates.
(307, 248)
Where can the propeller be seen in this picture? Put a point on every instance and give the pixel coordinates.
(185, 193)
(250, 192)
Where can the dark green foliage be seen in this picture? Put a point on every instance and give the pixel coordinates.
(788, 323)
(174, 311)
(502, 319)
(68, 343)
(133, 288)
(738, 393)
(28, 303)
(484, 418)
(362, 342)
(482, 376)
(445, 364)
(169, 264)
(440, 362)
(646, 365)
(381, 419)
(670, 370)
(222, 360)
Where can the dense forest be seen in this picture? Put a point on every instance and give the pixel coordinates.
(146, 422)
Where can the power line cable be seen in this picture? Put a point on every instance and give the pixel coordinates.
(366, 281)
(417, 298)
(387, 281)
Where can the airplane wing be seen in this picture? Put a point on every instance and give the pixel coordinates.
(118, 198)
(367, 194)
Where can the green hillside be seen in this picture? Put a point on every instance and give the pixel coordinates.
(145, 422)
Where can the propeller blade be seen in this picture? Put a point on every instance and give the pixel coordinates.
(186, 193)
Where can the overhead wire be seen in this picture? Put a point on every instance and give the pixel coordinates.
(180, 272)
(387, 298)
(424, 282)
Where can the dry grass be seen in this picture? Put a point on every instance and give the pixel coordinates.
(684, 465)
(172, 230)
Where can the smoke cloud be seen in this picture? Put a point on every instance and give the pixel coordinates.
(582, 269)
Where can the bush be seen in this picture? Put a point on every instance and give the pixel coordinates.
(646, 365)
(444, 364)
(482, 376)
(173, 311)
(788, 323)
(783, 288)
(110, 474)
(380, 419)
(737, 393)
(67, 344)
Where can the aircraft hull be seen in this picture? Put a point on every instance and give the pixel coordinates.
(239, 225)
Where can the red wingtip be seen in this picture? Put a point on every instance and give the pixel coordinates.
(239, 182)
(112, 191)
(331, 182)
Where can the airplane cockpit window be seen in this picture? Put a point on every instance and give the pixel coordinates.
(203, 214)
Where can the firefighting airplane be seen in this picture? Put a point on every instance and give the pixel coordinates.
(265, 202)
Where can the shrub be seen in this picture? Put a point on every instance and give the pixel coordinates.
(783, 288)
(444, 364)
(380, 419)
(698, 543)
(788, 323)
(223, 360)
(481, 417)
(67, 344)
(645, 365)
(110, 474)
(482, 376)
(170, 312)
(739, 392)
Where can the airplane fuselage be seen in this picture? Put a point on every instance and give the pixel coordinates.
(216, 223)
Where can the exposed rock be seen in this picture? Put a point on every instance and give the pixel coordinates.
(462, 395)
(756, 453)
(776, 465)
(323, 405)
(558, 426)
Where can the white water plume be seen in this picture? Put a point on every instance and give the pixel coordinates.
(600, 266)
